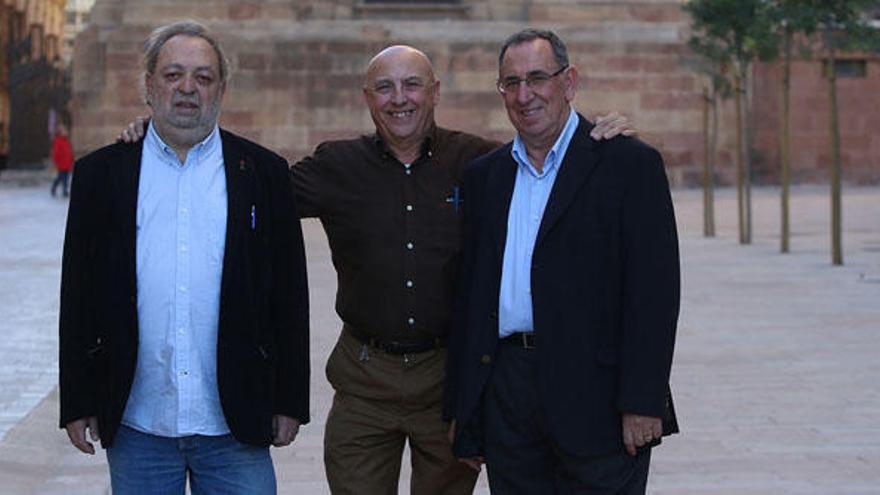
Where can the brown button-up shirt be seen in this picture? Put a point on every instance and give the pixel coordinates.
(394, 230)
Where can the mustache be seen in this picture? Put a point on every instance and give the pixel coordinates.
(182, 98)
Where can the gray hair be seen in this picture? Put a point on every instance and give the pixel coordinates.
(560, 52)
(157, 39)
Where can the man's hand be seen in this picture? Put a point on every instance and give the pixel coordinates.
(135, 130)
(284, 430)
(76, 431)
(640, 430)
(451, 433)
(474, 462)
(610, 125)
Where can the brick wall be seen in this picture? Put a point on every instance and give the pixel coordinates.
(297, 69)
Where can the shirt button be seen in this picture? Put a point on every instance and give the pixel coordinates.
(408, 172)
(181, 330)
(409, 208)
(409, 283)
(183, 248)
(182, 288)
(409, 245)
(411, 321)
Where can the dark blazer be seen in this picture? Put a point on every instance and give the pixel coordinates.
(263, 341)
(605, 292)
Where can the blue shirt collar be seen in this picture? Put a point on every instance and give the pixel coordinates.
(155, 142)
(557, 152)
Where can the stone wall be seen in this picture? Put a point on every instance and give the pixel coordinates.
(859, 117)
(298, 65)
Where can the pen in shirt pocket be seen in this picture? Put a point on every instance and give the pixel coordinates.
(253, 217)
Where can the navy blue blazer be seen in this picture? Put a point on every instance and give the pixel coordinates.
(263, 339)
(605, 292)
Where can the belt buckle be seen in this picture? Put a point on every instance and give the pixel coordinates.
(525, 341)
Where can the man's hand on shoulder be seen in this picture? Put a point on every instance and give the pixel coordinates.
(284, 430)
(76, 431)
(640, 430)
(134, 131)
(609, 125)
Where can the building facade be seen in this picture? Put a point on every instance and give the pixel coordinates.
(76, 18)
(297, 71)
(30, 73)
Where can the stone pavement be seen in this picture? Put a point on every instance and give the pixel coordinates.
(776, 374)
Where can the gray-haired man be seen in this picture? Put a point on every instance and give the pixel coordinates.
(184, 317)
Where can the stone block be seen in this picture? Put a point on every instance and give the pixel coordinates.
(670, 101)
(244, 10)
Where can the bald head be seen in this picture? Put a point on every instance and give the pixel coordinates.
(399, 54)
(400, 91)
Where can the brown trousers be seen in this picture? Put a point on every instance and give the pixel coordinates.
(381, 402)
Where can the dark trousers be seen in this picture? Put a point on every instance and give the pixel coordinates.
(522, 458)
(61, 180)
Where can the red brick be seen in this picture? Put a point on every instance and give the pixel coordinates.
(244, 10)
(670, 101)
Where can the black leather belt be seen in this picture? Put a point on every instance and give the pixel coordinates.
(526, 340)
(394, 346)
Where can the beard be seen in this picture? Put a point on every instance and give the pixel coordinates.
(185, 129)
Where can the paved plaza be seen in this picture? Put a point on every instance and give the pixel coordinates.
(776, 375)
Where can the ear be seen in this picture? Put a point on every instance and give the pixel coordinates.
(436, 91)
(222, 91)
(367, 95)
(571, 82)
(148, 87)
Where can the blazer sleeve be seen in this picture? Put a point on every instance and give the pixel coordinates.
(78, 344)
(289, 301)
(458, 322)
(651, 286)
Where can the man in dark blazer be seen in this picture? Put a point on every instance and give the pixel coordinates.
(184, 306)
(562, 342)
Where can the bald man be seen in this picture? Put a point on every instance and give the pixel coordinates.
(390, 205)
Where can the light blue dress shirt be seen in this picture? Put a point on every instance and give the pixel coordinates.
(181, 237)
(530, 194)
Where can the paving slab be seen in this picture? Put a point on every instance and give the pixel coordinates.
(776, 375)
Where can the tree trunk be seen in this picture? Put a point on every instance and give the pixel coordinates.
(708, 166)
(836, 244)
(740, 172)
(746, 82)
(785, 142)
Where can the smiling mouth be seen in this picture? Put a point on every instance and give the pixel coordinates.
(402, 115)
(529, 112)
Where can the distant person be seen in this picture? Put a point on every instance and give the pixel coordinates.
(62, 158)
(184, 307)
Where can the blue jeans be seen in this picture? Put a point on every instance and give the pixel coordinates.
(147, 464)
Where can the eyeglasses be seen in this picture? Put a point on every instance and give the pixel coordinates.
(535, 80)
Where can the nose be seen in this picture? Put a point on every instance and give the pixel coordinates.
(398, 96)
(187, 84)
(523, 92)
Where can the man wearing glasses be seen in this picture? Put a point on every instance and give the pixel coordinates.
(560, 351)
(391, 206)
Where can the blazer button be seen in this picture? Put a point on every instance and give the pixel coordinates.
(493, 316)
(486, 359)
(133, 299)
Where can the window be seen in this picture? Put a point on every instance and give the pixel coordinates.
(857, 68)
